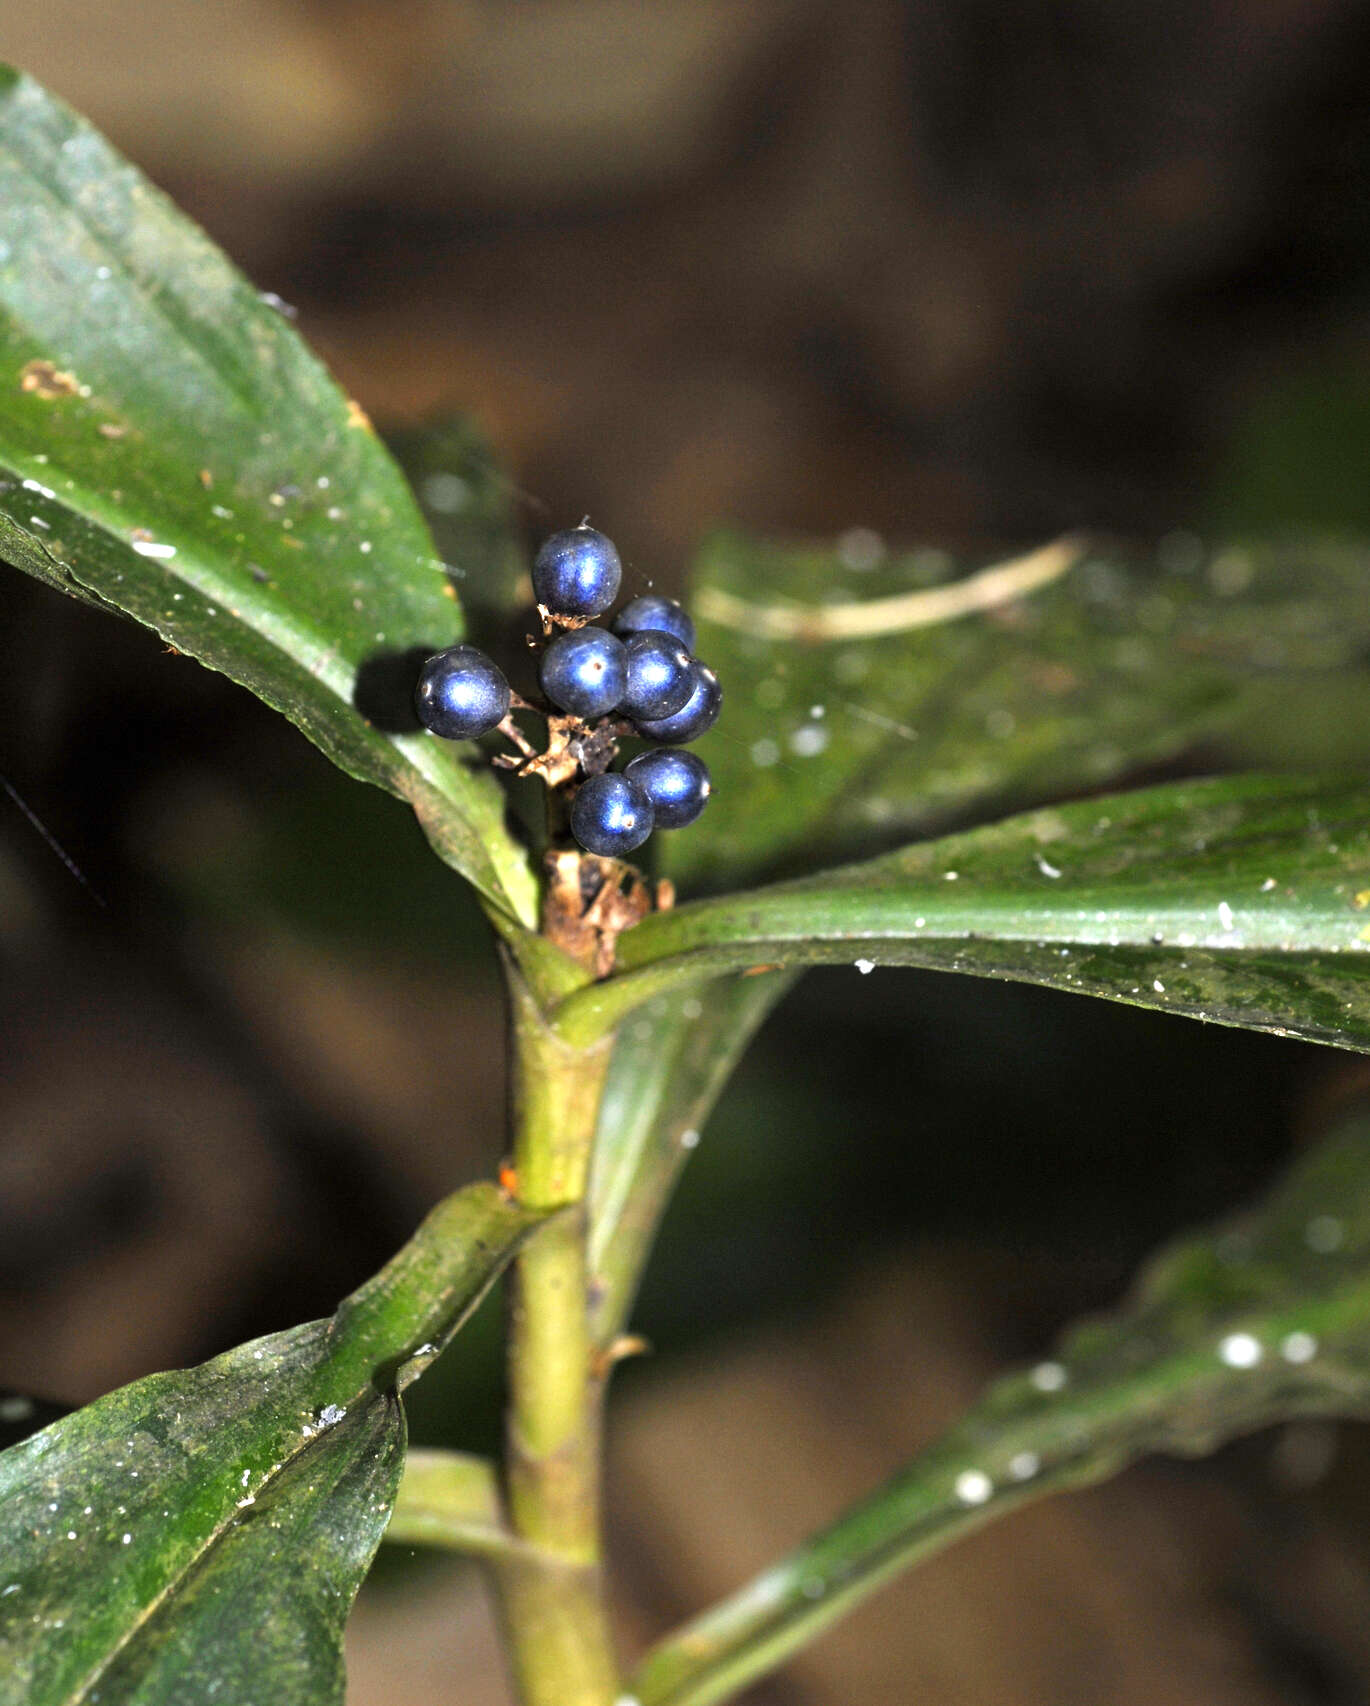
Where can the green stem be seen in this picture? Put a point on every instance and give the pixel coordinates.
(557, 1634)
(552, 1598)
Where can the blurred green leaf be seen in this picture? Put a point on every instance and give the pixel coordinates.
(870, 700)
(452, 1499)
(1240, 900)
(170, 447)
(1259, 1320)
(467, 500)
(1295, 454)
(669, 1065)
(201, 1534)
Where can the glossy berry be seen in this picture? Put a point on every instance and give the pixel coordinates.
(698, 713)
(576, 573)
(677, 784)
(611, 815)
(585, 672)
(659, 679)
(651, 610)
(461, 694)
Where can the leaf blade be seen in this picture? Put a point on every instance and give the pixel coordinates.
(872, 699)
(1237, 899)
(172, 448)
(667, 1071)
(109, 1515)
(1252, 1322)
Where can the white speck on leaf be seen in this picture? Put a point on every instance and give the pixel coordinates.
(865, 967)
(151, 548)
(1047, 870)
(445, 492)
(1241, 1350)
(973, 1486)
(860, 549)
(808, 741)
(1225, 917)
(1298, 1347)
(1324, 1234)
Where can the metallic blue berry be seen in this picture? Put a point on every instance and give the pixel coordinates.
(585, 672)
(461, 694)
(677, 784)
(651, 610)
(611, 815)
(659, 680)
(699, 712)
(576, 573)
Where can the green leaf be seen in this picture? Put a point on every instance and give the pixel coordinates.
(868, 707)
(669, 1066)
(467, 501)
(451, 1499)
(1239, 900)
(170, 447)
(1262, 1319)
(200, 1534)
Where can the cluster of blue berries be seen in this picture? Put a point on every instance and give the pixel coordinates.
(640, 678)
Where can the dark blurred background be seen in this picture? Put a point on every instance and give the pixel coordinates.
(961, 271)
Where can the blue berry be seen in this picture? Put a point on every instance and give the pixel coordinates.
(659, 680)
(461, 694)
(611, 815)
(677, 784)
(576, 573)
(698, 713)
(585, 672)
(651, 610)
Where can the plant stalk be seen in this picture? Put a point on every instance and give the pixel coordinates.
(552, 1597)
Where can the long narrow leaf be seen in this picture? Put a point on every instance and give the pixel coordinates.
(200, 1534)
(669, 1066)
(171, 448)
(1253, 1322)
(874, 699)
(1241, 900)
